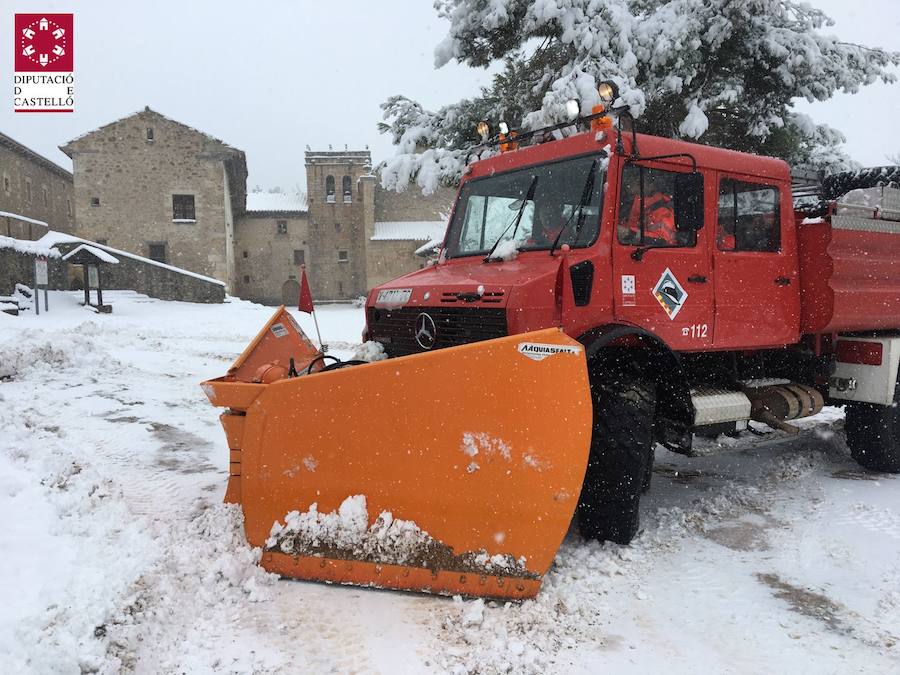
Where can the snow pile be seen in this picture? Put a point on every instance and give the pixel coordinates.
(369, 351)
(62, 532)
(39, 352)
(345, 534)
(206, 559)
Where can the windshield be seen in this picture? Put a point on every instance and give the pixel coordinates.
(487, 207)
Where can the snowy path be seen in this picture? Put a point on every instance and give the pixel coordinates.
(775, 555)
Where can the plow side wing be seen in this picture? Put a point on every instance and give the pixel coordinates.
(454, 471)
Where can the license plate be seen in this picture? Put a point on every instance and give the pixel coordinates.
(394, 296)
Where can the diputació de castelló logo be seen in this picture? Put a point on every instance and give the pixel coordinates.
(44, 78)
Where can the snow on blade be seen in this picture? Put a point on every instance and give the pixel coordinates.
(345, 534)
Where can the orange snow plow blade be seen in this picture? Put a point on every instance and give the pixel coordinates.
(453, 471)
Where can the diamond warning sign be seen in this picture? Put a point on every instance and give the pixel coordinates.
(669, 293)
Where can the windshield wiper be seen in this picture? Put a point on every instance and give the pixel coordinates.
(585, 198)
(529, 196)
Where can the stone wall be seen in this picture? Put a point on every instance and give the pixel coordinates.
(390, 259)
(18, 268)
(411, 204)
(147, 278)
(125, 181)
(51, 190)
(265, 259)
(21, 229)
(387, 260)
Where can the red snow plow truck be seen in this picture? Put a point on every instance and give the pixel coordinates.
(593, 296)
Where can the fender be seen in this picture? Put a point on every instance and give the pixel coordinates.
(674, 406)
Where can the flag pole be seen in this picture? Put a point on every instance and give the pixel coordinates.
(322, 345)
(305, 304)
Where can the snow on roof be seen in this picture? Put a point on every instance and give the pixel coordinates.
(53, 237)
(29, 247)
(414, 230)
(34, 221)
(93, 250)
(276, 201)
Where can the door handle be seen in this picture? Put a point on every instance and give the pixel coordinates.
(697, 279)
(782, 281)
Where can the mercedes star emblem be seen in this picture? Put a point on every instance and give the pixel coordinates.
(425, 331)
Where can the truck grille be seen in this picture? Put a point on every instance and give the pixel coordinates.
(396, 328)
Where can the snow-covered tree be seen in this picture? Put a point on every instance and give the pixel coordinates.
(723, 72)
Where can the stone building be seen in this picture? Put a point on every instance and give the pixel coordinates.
(271, 242)
(35, 193)
(349, 232)
(161, 189)
(155, 187)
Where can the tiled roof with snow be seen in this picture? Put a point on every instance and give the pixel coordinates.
(94, 251)
(263, 202)
(414, 230)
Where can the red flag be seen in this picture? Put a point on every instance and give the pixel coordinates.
(305, 303)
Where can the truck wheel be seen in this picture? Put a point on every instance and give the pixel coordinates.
(621, 447)
(873, 434)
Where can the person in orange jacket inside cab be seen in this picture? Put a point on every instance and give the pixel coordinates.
(549, 221)
(659, 216)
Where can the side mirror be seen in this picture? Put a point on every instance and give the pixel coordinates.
(689, 202)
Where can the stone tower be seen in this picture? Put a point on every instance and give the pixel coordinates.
(340, 192)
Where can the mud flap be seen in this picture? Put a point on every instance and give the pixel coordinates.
(454, 471)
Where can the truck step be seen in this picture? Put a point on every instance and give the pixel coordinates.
(716, 406)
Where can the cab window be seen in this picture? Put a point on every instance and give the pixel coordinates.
(748, 217)
(559, 203)
(648, 209)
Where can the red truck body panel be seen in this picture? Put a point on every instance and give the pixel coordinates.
(849, 278)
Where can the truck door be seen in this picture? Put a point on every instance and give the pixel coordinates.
(661, 260)
(755, 261)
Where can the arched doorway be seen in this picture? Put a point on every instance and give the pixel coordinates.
(290, 292)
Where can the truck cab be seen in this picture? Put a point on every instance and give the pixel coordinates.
(726, 278)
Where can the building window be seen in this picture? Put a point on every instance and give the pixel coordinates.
(28, 190)
(299, 256)
(246, 278)
(45, 193)
(149, 134)
(337, 227)
(157, 252)
(343, 256)
(95, 201)
(329, 189)
(7, 186)
(183, 208)
(245, 254)
(346, 189)
(281, 226)
(340, 288)
(68, 207)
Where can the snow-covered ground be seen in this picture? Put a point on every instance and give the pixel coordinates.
(773, 555)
